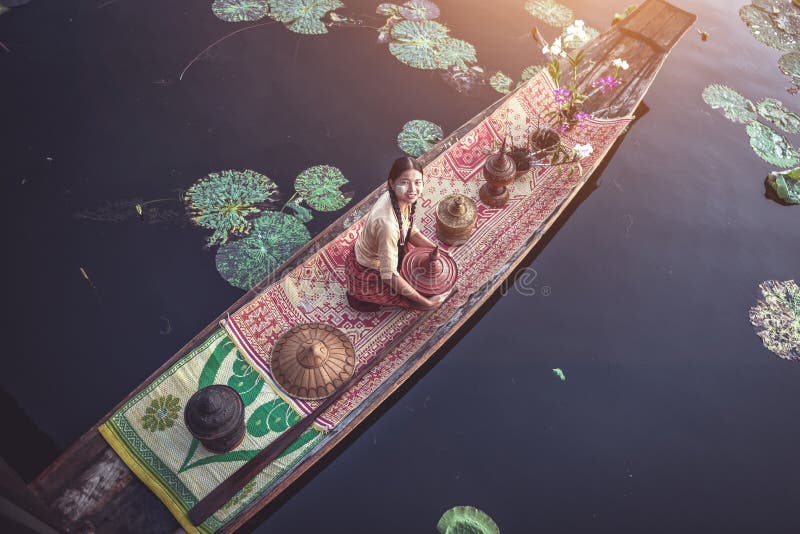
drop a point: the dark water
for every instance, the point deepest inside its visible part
(673, 416)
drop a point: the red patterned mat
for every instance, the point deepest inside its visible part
(315, 291)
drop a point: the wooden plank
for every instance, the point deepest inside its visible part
(89, 483)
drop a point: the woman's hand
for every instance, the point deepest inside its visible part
(437, 300)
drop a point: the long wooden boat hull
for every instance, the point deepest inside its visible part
(89, 486)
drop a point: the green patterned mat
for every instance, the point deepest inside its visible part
(150, 436)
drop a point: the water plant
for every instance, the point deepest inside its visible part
(735, 107)
(126, 209)
(789, 64)
(500, 82)
(776, 318)
(775, 23)
(416, 43)
(550, 12)
(466, 520)
(224, 201)
(274, 238)
(770, 146)
(319, 187)
(419, 10)
(418, 136)
(786, 185)
(240, 10)
(774, 111)
(303, 16)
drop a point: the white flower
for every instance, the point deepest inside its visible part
(578, 23)
(583, 150)
(545, 50)
(620, 64)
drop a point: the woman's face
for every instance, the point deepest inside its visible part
(408, 186)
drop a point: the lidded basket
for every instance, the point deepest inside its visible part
(430, 271)
(215, 416)
(455, 219)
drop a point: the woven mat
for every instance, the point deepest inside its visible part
(150, 436)
(315, 290)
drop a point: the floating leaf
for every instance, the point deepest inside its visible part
(735, 107)
(319, 186)
(786, 184)
(301, 212)
(466, 520)
(774, 111)
(778, 317)
(416, 43)
(240, 10)
(790, 65)
(551, 12)
(274, 238)
(770, 146)
(765, 29)
(560, 374)
(771, 6)
(303, 16)
(223, 201)
(500, 82)
(455, 53)
(419, 136)
(528, 73)
(389, 10)
(419, 10)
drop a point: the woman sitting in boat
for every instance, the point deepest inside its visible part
(373, 278)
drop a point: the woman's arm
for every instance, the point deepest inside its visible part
(418, 239)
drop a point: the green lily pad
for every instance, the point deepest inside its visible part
(390, 10)
(240, 10)
(417, 43)
(274, 238)
(455, 53)
(303, 16)
(774, 111)
(769, 146)
(319, 187)
(466, 520)
(301, 212)
(766, 30)
(224, 201)
(500, 83)
(771, 6)
(777, 318)
(735, 107)
(419, 136)
(789, 64)
(786, 184)
(419, 10)
(550, 12)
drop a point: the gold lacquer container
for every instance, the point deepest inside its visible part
(455, 219)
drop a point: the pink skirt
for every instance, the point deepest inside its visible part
(367, 291)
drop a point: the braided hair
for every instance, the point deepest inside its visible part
(399, 166)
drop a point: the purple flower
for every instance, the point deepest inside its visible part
(606, 83)
(581, 118)
(562, 95)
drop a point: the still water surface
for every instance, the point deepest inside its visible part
(672, 418)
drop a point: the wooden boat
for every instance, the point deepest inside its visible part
(90, 489)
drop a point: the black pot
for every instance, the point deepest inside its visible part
(522, 160)
(544, 139)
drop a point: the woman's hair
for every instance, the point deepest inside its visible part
(399, 166)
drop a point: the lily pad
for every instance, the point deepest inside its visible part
(389, 10)
(466, 520)
(789, 64)
(735, 107)
(455, 53)
(223, 202)
(419, 10)
(274, 238)
(786, 184)
(417, 43)
(777, 318)
(301, 212)
(774, 111)
(771, 6)
(769, 146)
(766, 30)
(550, 12)
(319, 187)
(240, 10)
(500, 82)
(528, 73)
(303, 16)
(419, 136)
